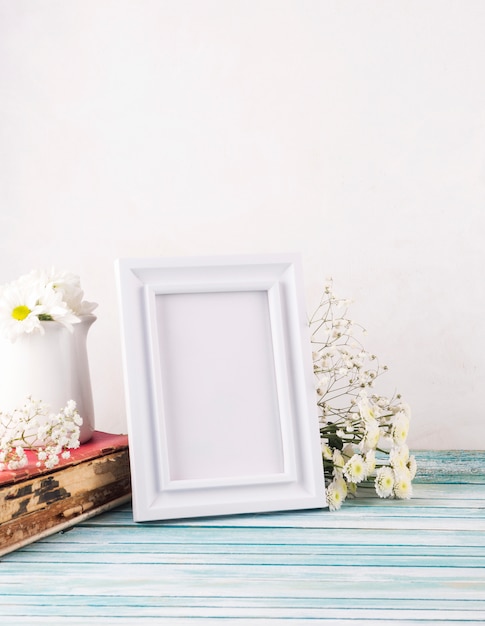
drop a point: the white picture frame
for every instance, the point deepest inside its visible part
(221, 407)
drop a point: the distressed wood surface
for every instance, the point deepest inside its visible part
(373, 562)
(69, 485)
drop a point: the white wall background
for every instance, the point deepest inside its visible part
(353, 132)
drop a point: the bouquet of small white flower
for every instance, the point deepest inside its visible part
(19, 430)
(363, 434)
(41, 296)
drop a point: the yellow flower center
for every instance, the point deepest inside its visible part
(20, 312)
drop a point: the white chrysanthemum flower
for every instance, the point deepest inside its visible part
(352, 489)
(67, 285)
(338, 463)
(41, 296)
(403, 488)
(400, 428)
(53, 308)
(336, 493)
(326, 451)
(372, 435)
(384, 482)
(399, 457)
(367, 409)
(19, 310)
(412, 467)
(370, 461)
(355, 470)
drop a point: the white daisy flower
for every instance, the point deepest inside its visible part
(371, 436)
(399, 457)
(355, 470)
(384, 482)
(41, 296)
(412, 466)
(326, 451)
(370, 461)
(403, 488)
(69, 286)
(400, 427)
(367, 409)
(336, 493)
(338, 463)
(19, 311)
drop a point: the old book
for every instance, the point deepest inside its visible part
(36, 502)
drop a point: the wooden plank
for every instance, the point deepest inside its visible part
(286, 615)
(341, 617)
(160, 538)
(279, 557)
(450, 466)
(206, 581)
(77, 604)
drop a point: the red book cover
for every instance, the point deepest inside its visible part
(100, 444)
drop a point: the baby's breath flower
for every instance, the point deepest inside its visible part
(33, 423)
(322, 385)
(52, 461)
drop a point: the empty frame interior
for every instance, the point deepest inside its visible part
(219, 383)
(221, 408)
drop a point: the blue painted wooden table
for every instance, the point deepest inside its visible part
(375, 561)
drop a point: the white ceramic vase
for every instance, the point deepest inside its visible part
(52, 367)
